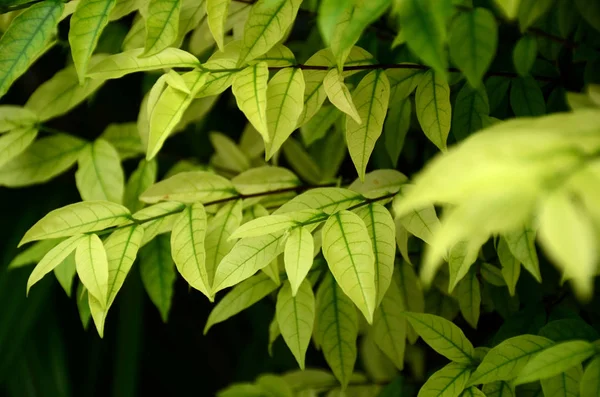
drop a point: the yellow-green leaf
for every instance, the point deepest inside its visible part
(460, 259)
(218, 232)
(98, 313)
(378, 183)
(53, 258)
(263, 225)
(99, 175)
(87, 23)
(339, 95)
(327, 199)
(65, 273)
(140, 180)
(83, 217)
(26, 38)
(389, 326)
(158, 274)
(124, 7)
(285, 101)
(12, 117)
(511, 267)
(295, 316)
(158, 218)
(433, 108)
(420, 223)
(298, 256)
(509, 7)
(187, 247)
(349, 254)
(499, 389)
(265, 179)
(302, 162)
(227, 154)
(449, 381)
(241, 297)
(250, 91)
(468, 294)
(590, 381)
(125, 138)
(267, 23)
(531, 10)
(217, 11)
(121, 249)
(336, 328)
(34, 253)
(92, 267)
(162, 25)
(563, 384)
(190, 187)
(15, 143)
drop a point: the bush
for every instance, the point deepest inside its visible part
(474, 276)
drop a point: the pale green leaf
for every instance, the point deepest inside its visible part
(263, 225)
(403, 81)
(524, 54)
(460, 259)
(26, 39)
(251, 142)
(442, 336)
(567, 235)
(468, 294)
(285, 95)
(169, 110)
(140, 180)
(118, 65)
(190, 187)
(83, 306)
(218, 232)
(371, 98)
(318, 126)
(295, 316)
(125, 138)
(420, 223)
(136, 36)
(188, 250)
(99, 175)
(228, 152)
(250, 91)
(158, 274)
(511, 267)
(327, 199)
(162, 25)
(506, 360)
(98, 313)
(379, 183)
(526, 97)
(555, 359)
(12, 117)
(565, 384)
(92, 267)
(402, 240)
(509, 7)
(82, 217)
(531, 10)
(34, 253)
(298, 256)
(158, 218)
(217, 11)
(521, 244)
(53, 258)
(339, 95)
(423, 24)
(65, 273)
(336, 327)
(124, 7)
(265, 179)
(191, 15)
(473, 42)
(492, 274)
(433, 108)
(449, 381)
(411, 293)
(470, 109)
(175, 80)
(87, 23)
(301, 161)
(267, 24)
(221, 79)
(499, 389)
(246, 257)
(241, 297)
(590, 381)
(349, 254)
(389, 325)
(15, 142)
(395, 128)
(121, 250)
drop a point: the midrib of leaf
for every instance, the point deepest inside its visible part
(384, 316)
(375, 250)
(264, 29)
(191, 231)
(443, 337)
(107, 4)
(92, 262)
(465, 369)
(99, 178)
(198, 9)
(285, 97)
(435, 104)
(57, 156)
(474, 56)
(160, 259)
(162, 29)
(254, 81)
(369, 117)
(221, 232)
(118, 270)
(337, 328)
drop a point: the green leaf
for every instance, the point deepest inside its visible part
(590, 11)
(371, 98)
(449, 381)
(403, 81)
(25, 40)
(158, 273)
(460, 259)
(421, 223)
(65, 273)
(423, 24)
(382, 233)
(472, 392)
(590, 381)
(524, 55)
(82, 305)
(247, 256)
(264, 225)
(99, 175)
(298, 256)
(564, 384)
(87, 23)
(227, 153)
(567, 234)
(395, 128)
(318, 126)
(327, 199)
(473, 42)
(190, 187)
(526, 97)
(43, 160)
(250, 91)
(505, 361)
(569, 329)
(285, 101)
(470, 109)
(162, 25)
(555, 359)
(34, 253)
(531, 10)
(158, 218)
(521, 244)
(389, 325)
(124, 7)
(140, 180)
(442, 336)
(496, 88)
(468, 294)
(349, 254)
(217, 11)
(267, 24)
(499, 389)
(378, 183)
(509, 7)
(63, 92)
(118, 65)
(15, 142)
(169, 110)
(295, 316)
(83, 217)
(241, 297)
(433, 108)
(191, 15)
(98, 313)
(302, 162)
(511, 267)
(12, 117)
(125, 138)
(53, 258)
(328, 17)
(187, 247)
(339, 95)
(336, 327)
(218, 232)
(92, 267)
(413, 299)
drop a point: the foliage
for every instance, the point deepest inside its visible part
(487, 254)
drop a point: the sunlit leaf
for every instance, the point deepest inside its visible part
(125, 138)
(218, 232)
(99, 175)
(326, 199)
(158, 218)
(298, 256)
(190, 187)
(563, 384)
(449, 381)
(162, 25)
(65, 273)
(509, 7)
(389, 326)
(92, 267)
(468, 294)
(265, 179)
(339, 95)
(226, 151)
(590, 381)
(140, 180)
(460, 259)
(250, 91)
(217, 11)
(433, 108)
(158, 273)
(15, 142)
(12, 117)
